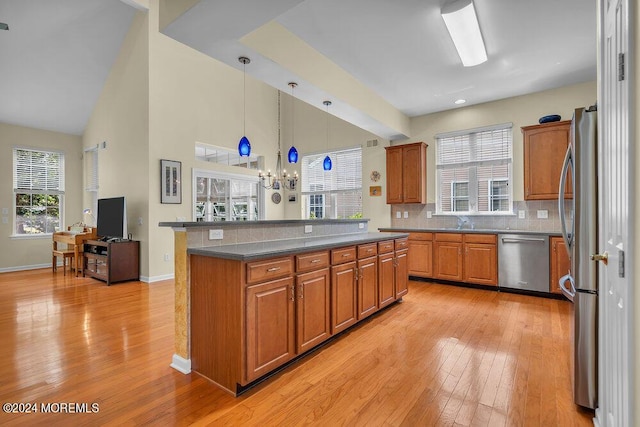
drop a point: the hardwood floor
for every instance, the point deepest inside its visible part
(444, 356)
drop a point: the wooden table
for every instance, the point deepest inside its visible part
(75, 240)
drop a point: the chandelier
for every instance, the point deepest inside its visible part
(280, 179)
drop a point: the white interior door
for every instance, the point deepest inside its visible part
(616, 208)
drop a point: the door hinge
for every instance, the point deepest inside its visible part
(621, 264)
(620, 67)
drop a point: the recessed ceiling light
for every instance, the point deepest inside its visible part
(460, 101)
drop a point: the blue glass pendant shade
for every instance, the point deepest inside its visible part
(244, 147)
(293, 155)
(326, 164)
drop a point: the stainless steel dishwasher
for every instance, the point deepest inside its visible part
(523, 262)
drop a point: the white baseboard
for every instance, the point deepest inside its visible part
(181, 364)
(26, 267)
(152, 279)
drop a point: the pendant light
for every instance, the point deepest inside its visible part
(244, 146)
(292, 156)
(326, 163)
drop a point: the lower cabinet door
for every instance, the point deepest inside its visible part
(401, 273)
(344, 297)
(481, 264)
(367, 286)
(386, 275)
(270, 326)
(312, 309)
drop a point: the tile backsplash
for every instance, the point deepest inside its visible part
(417, 217)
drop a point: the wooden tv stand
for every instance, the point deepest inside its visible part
(115, 261)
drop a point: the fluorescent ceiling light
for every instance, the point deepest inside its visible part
(462, 22)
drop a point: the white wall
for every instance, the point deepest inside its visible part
(20, 253)
(521, 111)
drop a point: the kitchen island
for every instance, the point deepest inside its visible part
(252, 307)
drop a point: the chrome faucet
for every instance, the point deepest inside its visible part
(462, 220)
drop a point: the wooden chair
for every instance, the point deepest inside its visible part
(64, 253)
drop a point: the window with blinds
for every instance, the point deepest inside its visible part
(474, 171)
(38, 186)
(336, 193)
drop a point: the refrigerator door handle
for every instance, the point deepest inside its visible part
(568, 163)
(569, 293)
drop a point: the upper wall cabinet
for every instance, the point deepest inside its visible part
(545, 146)
(407, 173)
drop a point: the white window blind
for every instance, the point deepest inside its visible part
(483, 159)
(341, 187)
(38, 171)
(91, 169)
(38, 186)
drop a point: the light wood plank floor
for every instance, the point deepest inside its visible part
(444, 356)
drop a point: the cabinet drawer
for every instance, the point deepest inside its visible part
(421, 236)
(312, 261)
(385, 247)
(401, 243)
(448, 237)
(365, 251)
(481, 238)
(342, 255)
(261, 271)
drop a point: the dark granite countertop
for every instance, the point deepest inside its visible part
(253, 251)
(467, 230)
(218, 224)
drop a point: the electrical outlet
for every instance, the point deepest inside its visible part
(181, 219)
(361, 225)
(308, 228)
(522, 214)
(216, 234)
(139, 220)
(166, 257)
(543, 214)
(406, 214)
(398, 214)
(5, 220)
(429, 214)
(5, 211)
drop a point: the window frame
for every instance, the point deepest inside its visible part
(493, 197)
(472, 162)
(331, 190)
(455, 198)
(59, 191)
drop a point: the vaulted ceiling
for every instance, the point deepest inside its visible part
(379, 61)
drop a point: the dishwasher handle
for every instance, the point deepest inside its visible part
(522, 240)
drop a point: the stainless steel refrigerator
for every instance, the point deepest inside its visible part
(579, 219)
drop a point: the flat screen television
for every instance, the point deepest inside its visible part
(112, 218)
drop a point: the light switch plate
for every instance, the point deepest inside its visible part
(5, 211)
(522, 214)
(5, 220)
(543, 214)
(398, 214)
(308, 228)
(406, 214)
(216, 234)
(429, 214)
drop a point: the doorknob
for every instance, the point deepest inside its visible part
(601, 257)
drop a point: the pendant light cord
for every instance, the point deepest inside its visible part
(244, 98)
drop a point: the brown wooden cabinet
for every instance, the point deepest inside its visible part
(313, 313)
(447, 256)
(250, 317)
(420, 256)
(401, 273)
(269, 344)
(481, 259)
(406, 173)
(344, 292)
(367, 280)
(545, 147)
(112, 261)
(559, 262)
(386, 290)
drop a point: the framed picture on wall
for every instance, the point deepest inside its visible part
(170, 181)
